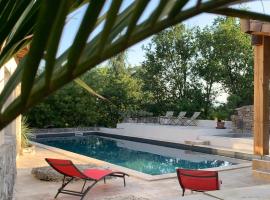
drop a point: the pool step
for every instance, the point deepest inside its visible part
(197, 142)
(78, 133)
(261, 169)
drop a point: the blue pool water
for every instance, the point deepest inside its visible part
(146, 158)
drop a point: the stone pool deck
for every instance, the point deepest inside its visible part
(237, 184)
(206, 135)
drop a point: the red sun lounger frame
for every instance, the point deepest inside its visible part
(70, 172)
(198, 180)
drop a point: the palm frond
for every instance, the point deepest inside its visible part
(85, 86)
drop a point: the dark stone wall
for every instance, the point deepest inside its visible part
(7, 168)
(242, 121)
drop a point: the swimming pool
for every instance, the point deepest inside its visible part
(143, 157)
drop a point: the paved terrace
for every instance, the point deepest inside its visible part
(236, 185)
(204, 132)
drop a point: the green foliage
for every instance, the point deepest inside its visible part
(166, 72)
(26, 133)
(224, 56)
(70, 106)
(235, 57)
(206, 69)
(219, 114)
(73, 106)
(185, 68)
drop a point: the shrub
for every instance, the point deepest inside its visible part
(26, 132)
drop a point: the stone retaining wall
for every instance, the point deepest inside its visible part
(7, 168)
(154, 120)
(242, 121)
(59, 130)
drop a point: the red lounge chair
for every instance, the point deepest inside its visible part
(198, 180)
(70, 171)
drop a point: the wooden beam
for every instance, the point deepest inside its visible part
(261, 88)
(255, 27)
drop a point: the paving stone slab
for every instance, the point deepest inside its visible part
(197, 197)
(261, 192)
(125, 197)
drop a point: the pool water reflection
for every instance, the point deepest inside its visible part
(146, 158)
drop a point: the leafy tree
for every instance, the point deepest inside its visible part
(73, 106)
(116, 83)
(235, 57)
(206, 68)
(166, 72)
(184, 67)
(224, 56)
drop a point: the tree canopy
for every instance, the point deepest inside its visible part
(73, 106)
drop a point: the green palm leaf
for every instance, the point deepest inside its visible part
(85, 86)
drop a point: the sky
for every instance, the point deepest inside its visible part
(135, 53)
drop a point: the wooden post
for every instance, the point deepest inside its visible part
(261, 88)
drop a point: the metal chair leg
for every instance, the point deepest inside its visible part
(183, 192)
(87, 190)
(64, 184)
(83, 186)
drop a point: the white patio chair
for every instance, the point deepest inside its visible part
(167, 118)
(179, 119)
(191, 121)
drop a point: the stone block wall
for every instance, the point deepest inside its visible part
(242, 121)
(8, 137)
(7, 168)
(60, 130)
